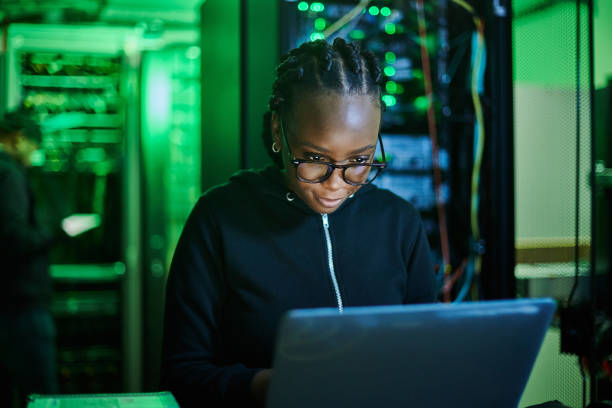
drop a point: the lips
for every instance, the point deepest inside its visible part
(330, 202)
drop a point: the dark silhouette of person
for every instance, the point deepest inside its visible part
(27, 331)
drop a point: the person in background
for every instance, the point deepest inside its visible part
(27, 350)
(308, 231)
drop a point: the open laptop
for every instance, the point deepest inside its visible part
(469, 355)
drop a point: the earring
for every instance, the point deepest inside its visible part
(275, 148)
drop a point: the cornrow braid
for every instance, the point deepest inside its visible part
(318, 66)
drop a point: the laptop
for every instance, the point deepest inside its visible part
(472, 354)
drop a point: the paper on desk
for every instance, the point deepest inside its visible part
(77, 224)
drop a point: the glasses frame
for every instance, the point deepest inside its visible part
(331, 166)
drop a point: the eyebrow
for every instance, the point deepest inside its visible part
(321, 149)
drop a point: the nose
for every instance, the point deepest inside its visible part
(335, 180)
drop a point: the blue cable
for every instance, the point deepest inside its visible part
(469, 275)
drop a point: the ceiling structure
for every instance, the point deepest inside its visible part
(113, 12)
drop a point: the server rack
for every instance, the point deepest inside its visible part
(74, 93)
(171, 159)
(89, 86)
(440, 75)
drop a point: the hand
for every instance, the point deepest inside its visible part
(259, 385)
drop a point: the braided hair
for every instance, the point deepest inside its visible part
(319, 66)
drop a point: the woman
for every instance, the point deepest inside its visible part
(309, 231)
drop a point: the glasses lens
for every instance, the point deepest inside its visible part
(312, 171)
(361, 174)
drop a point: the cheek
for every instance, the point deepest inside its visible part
(306, 190)
(353, 189)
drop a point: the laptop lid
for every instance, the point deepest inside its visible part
(472, 354)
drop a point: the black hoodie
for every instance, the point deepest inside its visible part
(251, 250)
(24, 243)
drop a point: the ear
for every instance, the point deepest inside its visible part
(275, 128)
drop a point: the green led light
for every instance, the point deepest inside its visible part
(389, 100)
(302, 6)
(317, 7)
(389, 71)
(320, 24)
(385, 11)
(421, 103)
(388, 156)
(390, 28)
(390, 57)
(193, 52)
(357, 35)
(391, 87)
(37, 158)
(316, 36)
(374, 10)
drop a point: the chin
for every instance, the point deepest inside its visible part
(324, 209)
(320, 205)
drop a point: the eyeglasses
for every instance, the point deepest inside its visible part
(356, 174)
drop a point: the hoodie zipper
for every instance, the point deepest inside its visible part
(330, 262)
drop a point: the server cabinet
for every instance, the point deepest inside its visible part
(444, 140)
(97, 93)
(74, 91)
(171, 157)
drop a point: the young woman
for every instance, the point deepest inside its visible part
(309, 231)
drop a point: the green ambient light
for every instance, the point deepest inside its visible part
(316, 36)
(390, 57)
(374, 10)
(389, 100)
(357, 35)
(320, 24)
(421, 103)
(302, 6)
(390, 28)
(389, 71)
(317, 7)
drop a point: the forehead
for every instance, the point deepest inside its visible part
(331, 118)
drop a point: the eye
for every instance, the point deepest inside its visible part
(314, 157)
(360, 160)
